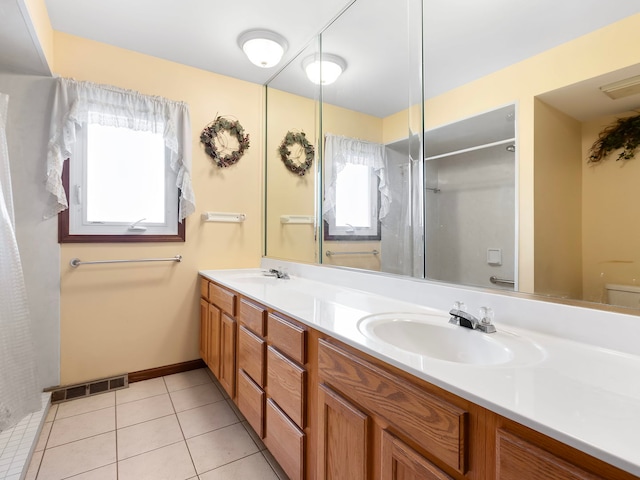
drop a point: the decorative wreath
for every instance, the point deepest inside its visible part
(623, 134)
(211, 135)
(296, 167)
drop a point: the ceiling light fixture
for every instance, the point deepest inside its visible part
(324, 69)
(622, 88)
(264, 48)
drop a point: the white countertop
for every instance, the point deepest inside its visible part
(580, 394)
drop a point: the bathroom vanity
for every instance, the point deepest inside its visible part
(330, 400)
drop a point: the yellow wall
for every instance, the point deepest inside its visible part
(605, 50)
(288, 193)
(611, 230)
(117, 319)
(558, 203)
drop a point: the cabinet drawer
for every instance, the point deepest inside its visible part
(286, 385)
(285, 441)
(223, 298)
(433, 423)
(290, 339)
(251, 350)
(251, 402)
(252, 316)
(204, 288)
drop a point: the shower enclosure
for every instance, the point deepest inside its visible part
(470, 206)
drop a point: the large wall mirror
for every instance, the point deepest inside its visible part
(483, 119)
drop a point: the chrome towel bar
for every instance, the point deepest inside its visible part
(76, 262)
(329, 253)
(495, 280)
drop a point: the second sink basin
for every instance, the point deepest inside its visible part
(431, 336)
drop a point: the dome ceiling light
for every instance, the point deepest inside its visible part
(324, 69)
(264, 48)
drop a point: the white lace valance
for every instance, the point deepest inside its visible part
(76, 103)
(340, 151)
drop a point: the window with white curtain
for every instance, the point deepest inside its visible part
(128, 165)
(356, 196)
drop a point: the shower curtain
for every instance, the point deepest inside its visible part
(19, 392)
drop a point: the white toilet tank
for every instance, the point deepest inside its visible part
(623, 295)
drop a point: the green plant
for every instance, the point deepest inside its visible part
(623, 134)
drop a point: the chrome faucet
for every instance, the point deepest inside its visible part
(274, 272)
(465, 319)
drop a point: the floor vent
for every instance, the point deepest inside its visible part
(90, 388)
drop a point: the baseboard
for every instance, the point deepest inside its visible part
(166, 370)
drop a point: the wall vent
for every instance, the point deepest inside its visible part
(90, 388)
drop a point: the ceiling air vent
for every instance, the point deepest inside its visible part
(622, 88)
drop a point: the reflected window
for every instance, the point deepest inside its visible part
(357, 203)
(356, 196)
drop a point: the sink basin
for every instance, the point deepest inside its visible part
(431, 336)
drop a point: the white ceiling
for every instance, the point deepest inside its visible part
(464, 39)
(20, 51)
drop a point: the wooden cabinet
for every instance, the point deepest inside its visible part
(251, 355)
(285, 441)
(218, 333)
(286, 382)
(215, 323)
(205, 327)
(252, 316)
(328, 411)
(521, 453)
(437, 426)
(252, 348)
(228, 354)
(401, 462)
(343, 451)
(286, 388)
(251, 402)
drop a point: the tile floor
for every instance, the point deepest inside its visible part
(16, 443)
(178, 427)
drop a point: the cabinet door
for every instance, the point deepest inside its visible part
(343, 441)
(214, 360)
(518, 459)
(228, 354)
(205, 326)
(401, 462)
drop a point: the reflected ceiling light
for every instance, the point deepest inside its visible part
(622, 88)
(264, 48)
(324, 69)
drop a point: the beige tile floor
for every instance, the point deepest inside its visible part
(178, 427)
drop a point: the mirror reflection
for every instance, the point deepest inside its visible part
(487, 169)
(290, 204)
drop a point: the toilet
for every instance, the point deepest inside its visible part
(623, 295)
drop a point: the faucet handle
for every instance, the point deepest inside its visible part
(486, 315)
(486, 320)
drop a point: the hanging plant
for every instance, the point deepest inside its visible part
(215, 142)
(295, 164)
(623, 134)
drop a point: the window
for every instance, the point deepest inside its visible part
(356, 195)
(357, 205)
(121, 184)
(127, 176)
